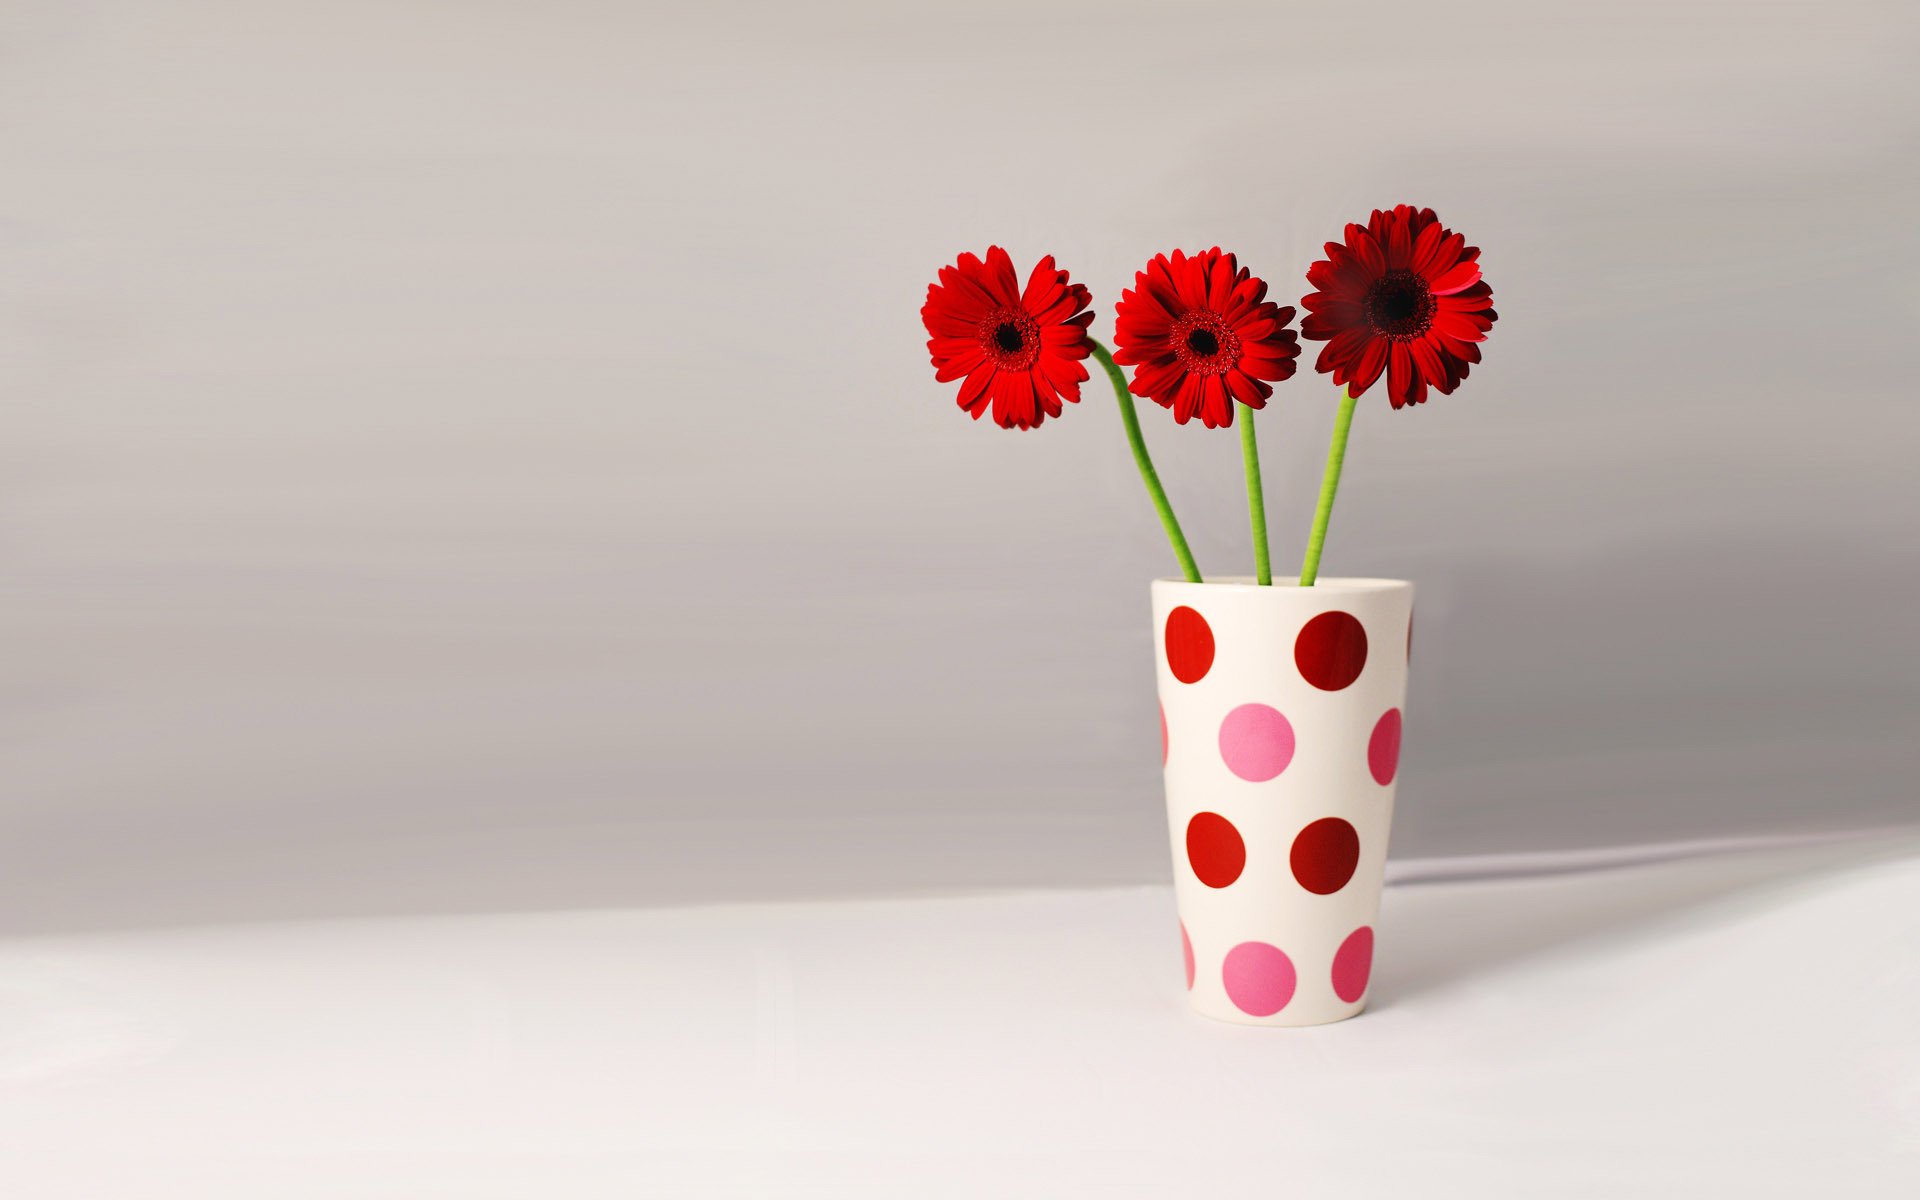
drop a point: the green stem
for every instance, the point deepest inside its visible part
(1329, 484)
(1256, 498)
(1148, 475)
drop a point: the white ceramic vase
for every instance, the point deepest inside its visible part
(1280, 711)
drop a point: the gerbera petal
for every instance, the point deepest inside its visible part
(1282, 345)
(1461, 277)
(947, 347)
(1399, 246)
(941, 323)
(1473, 299)
(1424, 246)
(1189, 282)
(1366, 369)
(1002, 284)
(1022, 409)
(1399, 374)
(1319, 327)
(949, 367)
(1216, 407)
(1044, 392)
(1275, 369)
(1333, 306)
(1048, 304)
(1058, 310)
(1366, 251)
(1146, 320)
(1064, 374)
(1351, 343)
(1446, 254)
(1345, 276)
(1041, 285)
(1148, 302)
(1459, 369)
(1042, 386)
(1246, 389)
(1146, 352)
(1249, 294)
(963, 294)
(976, 391)
(1426, 356)
(1157, 381)
(1454, 347)
(1160, 281)
(1222, 274)
(1186, 399)
(1458, 326)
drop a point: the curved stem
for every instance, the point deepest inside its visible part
(1329, 484)
(1256, 498)
(1142, 460)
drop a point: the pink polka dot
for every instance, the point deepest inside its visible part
(1186, 951)
(1163, 735)
(1256, 742)
(1259, 978)
(1352, 965)
(1383, 748)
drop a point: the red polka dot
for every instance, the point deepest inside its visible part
(1189, 645)
(1324, 855)
(1214, 849)
(1259, 978)
(1383, 748)
(1331, 650)
(1186, 952)
(1352, 965)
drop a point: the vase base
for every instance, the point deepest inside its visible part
(1283, 1019)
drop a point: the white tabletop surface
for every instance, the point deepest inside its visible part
(1734, 1025)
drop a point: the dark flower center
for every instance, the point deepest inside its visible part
(1204, 343)
(1399, 306)
(1010, 338)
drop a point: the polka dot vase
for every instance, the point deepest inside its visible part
(1280, 719)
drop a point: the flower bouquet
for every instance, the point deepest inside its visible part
(1280, 700)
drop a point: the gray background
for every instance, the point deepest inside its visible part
(484, 455)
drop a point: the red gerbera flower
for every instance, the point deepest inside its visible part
(1404, 295)
(1201, 334)
(1019, 350)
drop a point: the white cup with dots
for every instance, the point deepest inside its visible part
(1280, 711)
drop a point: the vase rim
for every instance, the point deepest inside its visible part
(1291, 583)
